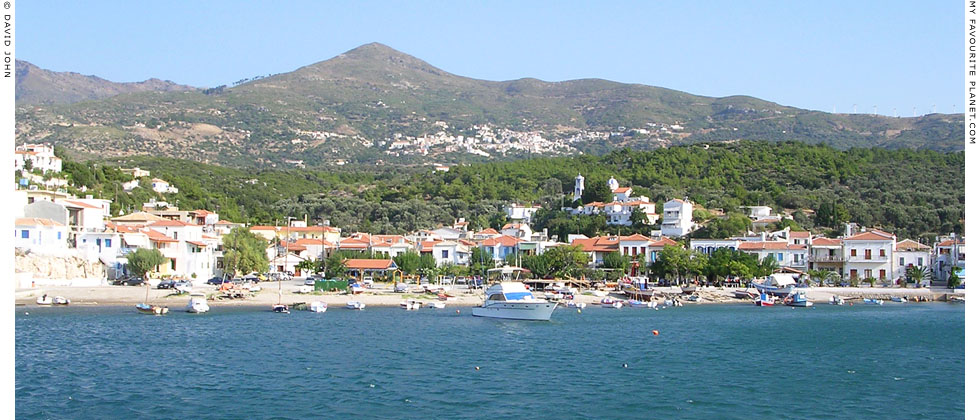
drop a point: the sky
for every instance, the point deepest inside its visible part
(895, 57)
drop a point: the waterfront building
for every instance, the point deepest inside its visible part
(677, 219)
(869, 255)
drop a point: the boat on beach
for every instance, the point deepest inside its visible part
(44, 300)
(836, 300)
(899, 299)
(436, 305)
(873, 301)
(778, 284)
(512, 300)
(689, 289)
(354, 304)
(641, 304)
(745, 294)
(410, 305)
(198, 304)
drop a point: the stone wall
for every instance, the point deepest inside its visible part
(57, 270)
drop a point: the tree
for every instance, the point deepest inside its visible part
(566, 261)
(142, 261)
(409, 262)
(672, 260)
(334, 267)
(615, 260)
(538, 265)
(309, 265)
(244, 252)
(596, 190)
(954, 280)
(767, 266)
(916, 274)
(480, 261)
(427, 265)
(819, 275)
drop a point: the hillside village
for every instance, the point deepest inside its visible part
(56, 224)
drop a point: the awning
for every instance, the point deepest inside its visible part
(136, 240)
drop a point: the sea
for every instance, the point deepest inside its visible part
(694, 362)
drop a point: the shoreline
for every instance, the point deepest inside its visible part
(386, 297)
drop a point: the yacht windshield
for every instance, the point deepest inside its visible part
(519, 295)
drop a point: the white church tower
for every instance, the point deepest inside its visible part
(579, 187)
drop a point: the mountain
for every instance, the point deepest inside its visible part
(374, 104)
(38, 86)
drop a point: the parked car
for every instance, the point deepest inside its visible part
(166, 284)
(309, 282)
(133, 281)
(183, 286)
(216, 281)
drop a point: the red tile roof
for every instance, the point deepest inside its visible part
(598, 244)
(768, 245)
(81, 204)
(635, 237)
(872, 235)
(35, 221)
(825, 242)
(199, 244)
(950, 242)
(488, 231)
(362, 264)
(158, 237)
(621, 190)
(505, 240)
(804, 234)
(910, 245)
(170, 223)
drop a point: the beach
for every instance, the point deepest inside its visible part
(384, 295)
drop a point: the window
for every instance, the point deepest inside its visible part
(867, 273)
(881, 252)
(854, 252)
(445, 253)
(59, 235)
(881, 274)
(901, 261)
(867, 254)
(919, 262)
(779, 256)
(173, 264)
(25, 234)
(854, 274)
(108, 243)
(98, 242)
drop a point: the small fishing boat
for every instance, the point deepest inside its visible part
(836, 300)
(578, 305)
(874, 301)
(198, 304)
(44, 300)
(899, 299)
(778, 284)
(147, 309)
(60, 300)
(436, 305)
(797, 299)
(673, 302)
(318, 306)
(410, 305)
(765, 299)
(280, 308)
(356, 289)
(641, 304)
(694, 298)
(608, 302)
(689, 289)
(745, 294)
(355, 305)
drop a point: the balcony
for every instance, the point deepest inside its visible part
(827, 259)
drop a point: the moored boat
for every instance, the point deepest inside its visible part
(198, 304)
(280, 308)
(874, 301)
(689, 289)
(318, 306)
(641, 304)
(436, 305)
(745, 294)
(148, 309)
(60, 300)
(609, 302)
(410, 305)
(44, 300)
(512, 300)
(899, 299)
(836, 300)
(797, 299)
(765, 299)
(777, 284)
(354, 304)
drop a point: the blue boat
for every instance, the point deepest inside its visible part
(874, 301)
(798, 299)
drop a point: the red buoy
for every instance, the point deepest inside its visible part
(655, 332)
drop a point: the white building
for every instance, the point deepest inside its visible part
(43, 236)
(709, 246)
(677, 219)
(41, 157)
(450, 253)
(785, 254)
(521, 213)
(909, 253)
(869, 255)
(579, 187)
(162, 186)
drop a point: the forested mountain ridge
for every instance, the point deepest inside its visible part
(374, 104)
(915, 194)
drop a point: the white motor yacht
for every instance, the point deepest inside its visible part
(198, 304)
(511, 300)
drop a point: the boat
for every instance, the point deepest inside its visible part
(198, 304)
(797, 299)
(836, 300)
(899, 299)
(694, 298)
(280, 308)
(641, 304)
(410, 305)
(44, 300)
(874, 301)
(608, 302)
(318, 306)
(145, 308)
(578, 305)
(745, 294)
(597, 293)
(355, 305)
(778, 284)
(765, 299)
(688, 289)
(356, 288)
(60, 300)
(436, 305)
(512, 300)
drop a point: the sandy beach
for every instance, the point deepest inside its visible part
(383, 295)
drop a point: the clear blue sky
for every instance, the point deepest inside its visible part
(814, 55)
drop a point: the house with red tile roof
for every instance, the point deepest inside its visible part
(500, 247)
(909, 253)
(786, 254)
(827, 254)
(868, 254)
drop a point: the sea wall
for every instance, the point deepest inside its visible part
(33, 270)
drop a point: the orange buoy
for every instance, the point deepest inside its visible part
(656, 332)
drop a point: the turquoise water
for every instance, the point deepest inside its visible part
(740, 362)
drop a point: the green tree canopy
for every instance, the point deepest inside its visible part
(244, 252)
(143, 261)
